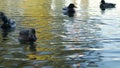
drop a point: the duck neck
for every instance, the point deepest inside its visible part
(102, 1)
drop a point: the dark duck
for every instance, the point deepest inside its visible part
(70, 11)
(27, 36)
(7, 23)
(105, 5)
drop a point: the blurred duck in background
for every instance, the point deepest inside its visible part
(70, 11)
(7, 23)
(104, 5)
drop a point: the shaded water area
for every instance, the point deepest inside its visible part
(91, 39)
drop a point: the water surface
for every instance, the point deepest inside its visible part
(88, 40)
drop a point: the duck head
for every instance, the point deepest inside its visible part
(2, 14)
(32, 35)
(3, 17)
(102, 1)
(71, 6)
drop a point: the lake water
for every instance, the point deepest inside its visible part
(91, 39)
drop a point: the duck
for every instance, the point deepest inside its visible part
(7, 23)
(27, 36)
(70, 11)
(105, 5)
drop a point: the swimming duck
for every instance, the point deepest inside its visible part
(27, 36)
(7, 23)
(70, 11)
(105, 5)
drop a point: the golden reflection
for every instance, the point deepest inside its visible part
(40, 56)
(37, 15)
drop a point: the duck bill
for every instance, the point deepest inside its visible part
(75, 6)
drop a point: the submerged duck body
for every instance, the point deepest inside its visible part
(105, 5)
(65, 11)
(70, 11)
(26, 36)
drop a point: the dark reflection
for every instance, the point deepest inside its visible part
(102, 11)
(32, 46)
(92, 58)
(5, 33)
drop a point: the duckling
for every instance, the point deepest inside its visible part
(27, 36)
(105, 5)
(70, 11)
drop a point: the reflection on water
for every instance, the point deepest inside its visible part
(89, 40)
